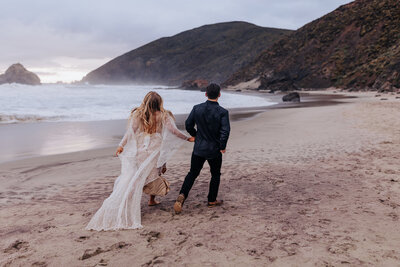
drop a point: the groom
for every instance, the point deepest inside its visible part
(212, 123)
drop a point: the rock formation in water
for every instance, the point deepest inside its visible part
(16, 73)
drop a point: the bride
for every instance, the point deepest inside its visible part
(151, 138)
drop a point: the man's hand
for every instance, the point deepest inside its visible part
(119, 151)
(191, 139)
(223, 151)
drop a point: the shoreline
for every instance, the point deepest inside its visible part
(309, 186)
(55, 138)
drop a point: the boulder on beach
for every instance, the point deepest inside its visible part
(17, 73)
(195, 84)
(291, 97)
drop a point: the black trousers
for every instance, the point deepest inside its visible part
(196, 165)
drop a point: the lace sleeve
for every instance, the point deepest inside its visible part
(172, 139)
(124, 139)
(171, 126)
(133, 125)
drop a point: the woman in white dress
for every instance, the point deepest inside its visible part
(151, 138)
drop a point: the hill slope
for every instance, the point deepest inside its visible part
(355, 46)
(211, 52)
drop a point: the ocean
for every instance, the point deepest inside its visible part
(53, 102)
(56, 119)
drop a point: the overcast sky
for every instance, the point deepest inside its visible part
(63, 40)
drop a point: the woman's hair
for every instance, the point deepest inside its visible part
(146, 113)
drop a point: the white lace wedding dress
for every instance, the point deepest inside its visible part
(143, 154)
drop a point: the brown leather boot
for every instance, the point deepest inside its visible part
(215, 203)
(179, 203)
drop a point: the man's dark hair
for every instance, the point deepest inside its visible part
(213, 91)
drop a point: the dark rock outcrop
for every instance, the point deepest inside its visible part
(357, 46)
(16, 73)
(291, 97)
(195, 84)
(212, 52)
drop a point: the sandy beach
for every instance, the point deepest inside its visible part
(305, 186)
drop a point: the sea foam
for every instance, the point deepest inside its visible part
(57, 102)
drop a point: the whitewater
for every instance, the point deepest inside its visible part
(59, 102)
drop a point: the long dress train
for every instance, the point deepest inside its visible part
(143, 154)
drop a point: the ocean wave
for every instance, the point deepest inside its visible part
(6, 119)
(23, 103)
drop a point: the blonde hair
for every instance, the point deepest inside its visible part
(146, 113)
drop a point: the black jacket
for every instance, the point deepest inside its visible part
(212, 123)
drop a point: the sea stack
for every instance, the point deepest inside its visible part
(17, 73)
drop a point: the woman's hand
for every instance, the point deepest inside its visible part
(119, 150)
(162, 169)
(191, 139)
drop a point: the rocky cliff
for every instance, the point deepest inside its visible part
(356, 46)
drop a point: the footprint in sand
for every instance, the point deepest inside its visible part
(154, 261)
(185, 237)
(252, 252)
(214, 215)
(394, 216)
(341, 248)
(39, 264)
(103, 262)
(93, 252)
(290, 249)
(325, 221)
(151, 236)
(82, 238)
(17, 245)
(45, 228)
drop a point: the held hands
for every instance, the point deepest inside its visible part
(223, 151)
(119, 151)
(191, 139)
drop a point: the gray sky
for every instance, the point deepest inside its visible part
(63, 40)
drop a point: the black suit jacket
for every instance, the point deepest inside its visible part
(213, 128)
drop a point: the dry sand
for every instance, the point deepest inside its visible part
(302, 187)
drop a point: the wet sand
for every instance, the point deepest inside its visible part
(306, 186)
(27, 140)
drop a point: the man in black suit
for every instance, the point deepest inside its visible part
(211, 137)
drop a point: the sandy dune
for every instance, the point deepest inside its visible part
(302, 187)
